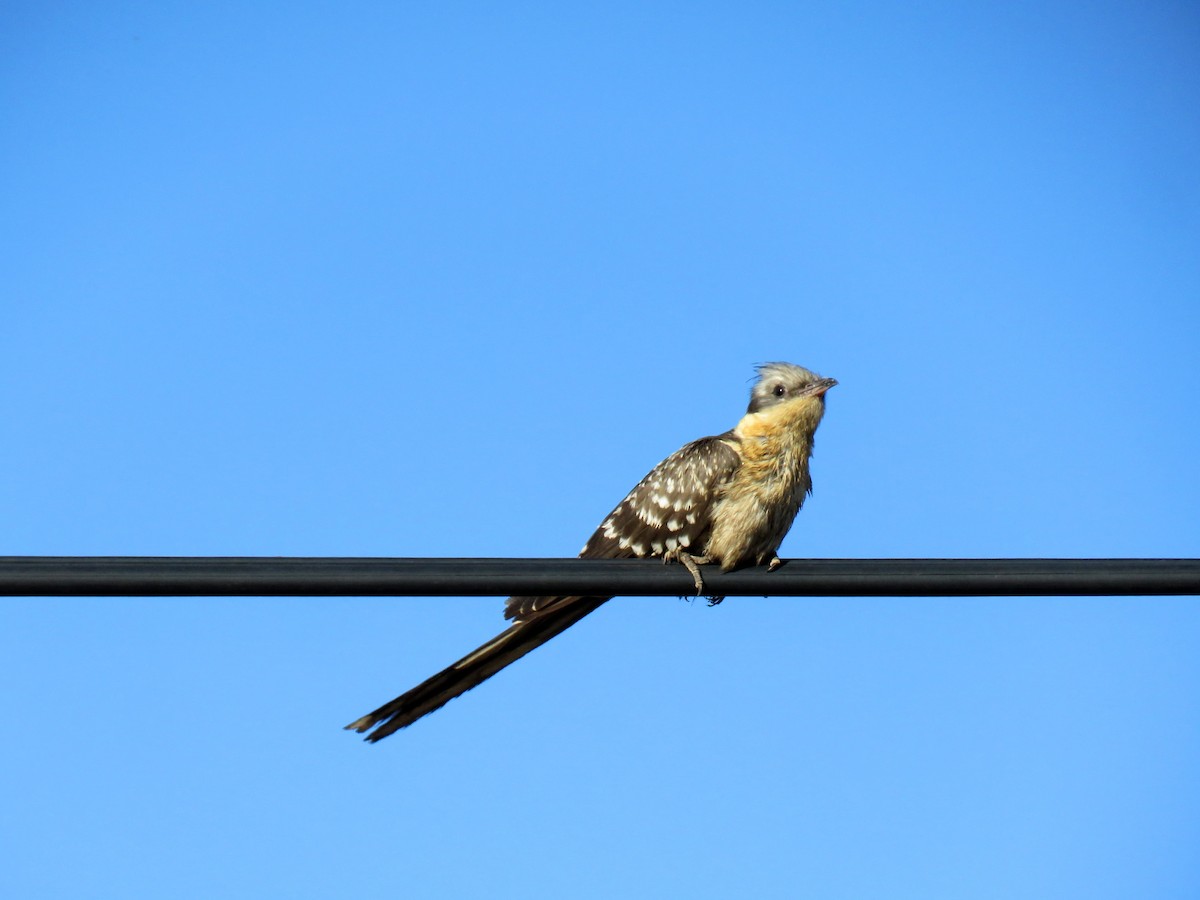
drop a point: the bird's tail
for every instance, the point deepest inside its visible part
(476, 667)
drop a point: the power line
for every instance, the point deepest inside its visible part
(344, 576)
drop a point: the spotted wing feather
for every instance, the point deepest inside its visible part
(670, 508)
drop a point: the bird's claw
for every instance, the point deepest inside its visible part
(689, 562)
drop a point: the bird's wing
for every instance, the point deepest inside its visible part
(670, 508)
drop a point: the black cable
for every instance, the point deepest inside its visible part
(337, 576)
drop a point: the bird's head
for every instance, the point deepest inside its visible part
(781, 384)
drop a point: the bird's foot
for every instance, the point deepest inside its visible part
(774, 564)
(689, 562)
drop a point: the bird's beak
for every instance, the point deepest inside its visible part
(819, 388)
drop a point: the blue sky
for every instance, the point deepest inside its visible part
(446, 280)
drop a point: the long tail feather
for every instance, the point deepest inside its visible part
(476, 667)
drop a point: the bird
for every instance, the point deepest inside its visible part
(728, 500)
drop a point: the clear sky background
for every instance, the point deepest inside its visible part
(446, 279)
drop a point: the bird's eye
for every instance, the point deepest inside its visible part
(779, 390)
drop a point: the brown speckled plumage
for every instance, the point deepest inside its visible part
(728, 499)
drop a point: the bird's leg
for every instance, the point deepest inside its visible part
(691, 563)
